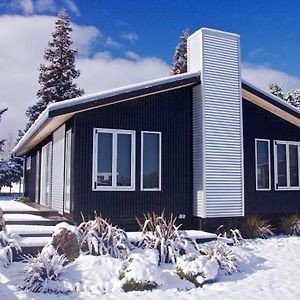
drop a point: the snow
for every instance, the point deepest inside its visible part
(271, 270)
(23, 217)
(12, 205)
(29, 229)
(33, 241)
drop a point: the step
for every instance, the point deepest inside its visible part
(30, 230)
(42, 213)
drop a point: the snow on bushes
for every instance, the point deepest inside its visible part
(198, 269)
(163, 235)
(42, 274)
(291, 224)
(6, 243)
(98, 237)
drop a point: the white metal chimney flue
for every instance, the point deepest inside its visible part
(217, 124)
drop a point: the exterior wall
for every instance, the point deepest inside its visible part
(169, 113)
(259, 123)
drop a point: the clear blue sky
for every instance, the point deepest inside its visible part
(269, 29)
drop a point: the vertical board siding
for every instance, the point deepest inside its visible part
(219, 62)
(169, 113)
(259, 123)
(58, 155)
(198, 196)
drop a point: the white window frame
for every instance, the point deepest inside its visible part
(288, 187)
(114, 186)
(142, 163)
(269, 162)
(28, 163)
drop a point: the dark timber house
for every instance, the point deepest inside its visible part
(204, 145)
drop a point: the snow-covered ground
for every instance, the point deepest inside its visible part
(271, 270)
(12, 205)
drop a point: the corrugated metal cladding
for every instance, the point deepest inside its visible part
(259, 123)
(222, 123)
(58, 156)
(170, 113)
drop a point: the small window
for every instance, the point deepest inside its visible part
(262, 161)
(114, 159)
(151, 161)
(28, 163)
(287, 167)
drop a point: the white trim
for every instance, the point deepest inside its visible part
(288, 187)
(46, 171)
(269, 162)
(142, 162)
(68, 164)
(28, 163)
(114, 186)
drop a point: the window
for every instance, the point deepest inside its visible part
(46, 164)
(151, 161)
(28, 163)
(114, 159)
(287, 167)
(262, 162)
(67, 186)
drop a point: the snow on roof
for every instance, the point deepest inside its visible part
(44, 116)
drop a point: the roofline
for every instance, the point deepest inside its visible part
(91, 101)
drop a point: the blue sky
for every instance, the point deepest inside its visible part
(123, 42)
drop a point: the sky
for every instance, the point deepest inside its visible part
(124, 42)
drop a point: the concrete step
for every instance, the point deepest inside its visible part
(30, 230)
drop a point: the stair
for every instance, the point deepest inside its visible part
(31, 225)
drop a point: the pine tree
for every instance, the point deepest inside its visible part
(293, 98)
(276, 90)
(180, 56)
(58, 72)
(2, 111)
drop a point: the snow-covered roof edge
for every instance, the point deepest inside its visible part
(44, 116)
(273, 97)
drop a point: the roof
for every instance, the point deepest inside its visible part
(58, 113)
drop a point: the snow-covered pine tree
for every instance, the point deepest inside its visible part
(276, 89)
(58, 72)
(293, 98)
(2, 141)
(180, 56)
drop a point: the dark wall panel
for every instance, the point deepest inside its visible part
(259, 123)
(168, 112)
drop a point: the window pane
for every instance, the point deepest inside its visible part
(262, 168)
(104, 166)
(281, 165)
(124, 160)
(150, 160)
(294, 169)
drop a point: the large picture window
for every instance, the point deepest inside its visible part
(113, 159)
(287, 167)
(262, 162)
(151, 161)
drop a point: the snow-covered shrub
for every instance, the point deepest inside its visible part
(256, 227)
(163, 235)
(65, 241)
(141, 272)
(291, 224)
(98, 237)
(233, 234)
(42, 274)
(197, 268)
(6, 243)
(222, 254)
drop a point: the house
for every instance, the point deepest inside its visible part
(205, 145)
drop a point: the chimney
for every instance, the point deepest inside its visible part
(217, 124)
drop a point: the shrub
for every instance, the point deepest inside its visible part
(233, 234)
(223, 255)
(66, 243)
(163, 235)
(24, 199)
(98, 237)
(197, 268)
(133, 285)
(42, 274)
(291, 224)
(256, 227)
(6, 243)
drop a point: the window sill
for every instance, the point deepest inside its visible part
(287, 189)
(129, 189)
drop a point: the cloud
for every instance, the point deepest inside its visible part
(25, 6)
(111, 43)
(72, 7)
(130, 36)
(21, 54)
(262, 76)
(132, 55)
